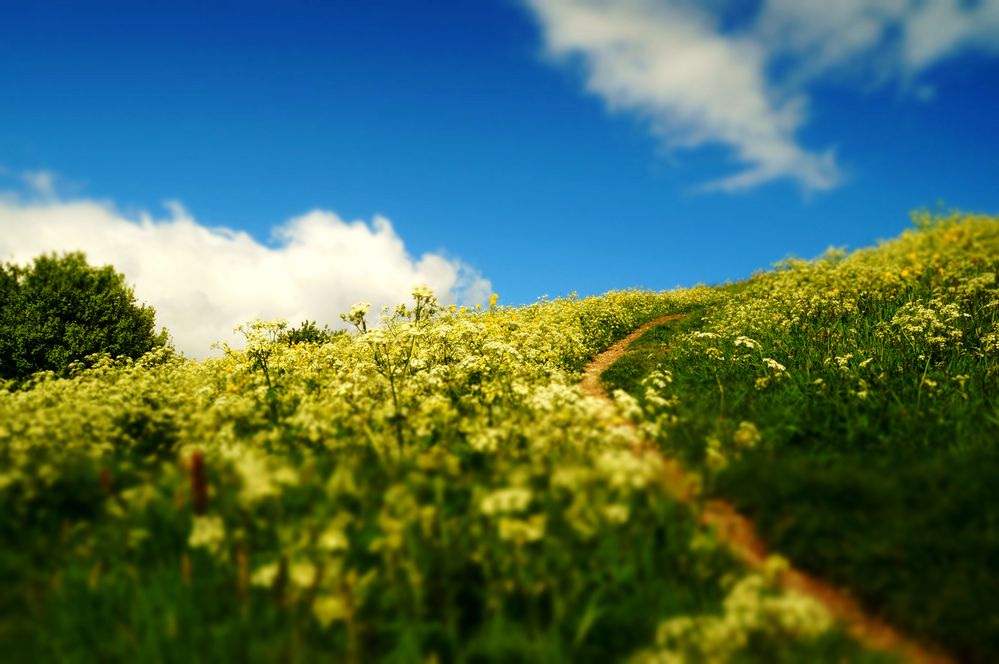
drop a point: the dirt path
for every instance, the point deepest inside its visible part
(740, 536)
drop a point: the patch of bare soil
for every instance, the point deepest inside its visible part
(737, 532)
(600, 364)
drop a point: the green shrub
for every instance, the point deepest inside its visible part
(308, 333)
(59, 310)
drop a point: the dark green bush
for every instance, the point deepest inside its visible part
(60, 310)
(308, 333)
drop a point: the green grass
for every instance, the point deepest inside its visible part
(916, 539)
(879, 446)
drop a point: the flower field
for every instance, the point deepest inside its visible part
(434, 486)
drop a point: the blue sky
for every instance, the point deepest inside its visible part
(546, 146)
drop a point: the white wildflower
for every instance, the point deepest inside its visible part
(506, 501)
(208, 533)
(774, 364)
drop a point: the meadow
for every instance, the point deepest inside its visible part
(434, 486)
(848, 405)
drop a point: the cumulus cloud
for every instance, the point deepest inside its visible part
(204, 281)
(699, 79)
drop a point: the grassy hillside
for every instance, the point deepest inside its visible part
(849, 406)
(437, 488)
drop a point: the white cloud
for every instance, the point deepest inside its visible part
(203, 281)
(41, 183)
(697, 82)
(669, 63)
(900, 38)
(943, 28)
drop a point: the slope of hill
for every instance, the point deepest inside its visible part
(438, 487)
(849, 406)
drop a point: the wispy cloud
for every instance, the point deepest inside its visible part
(889, 39)
(40, 183)
(943, 28)
(698, 80)
(203, 281)
(34, 184)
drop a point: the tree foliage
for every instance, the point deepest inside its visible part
(60, 310)
(309, 333)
